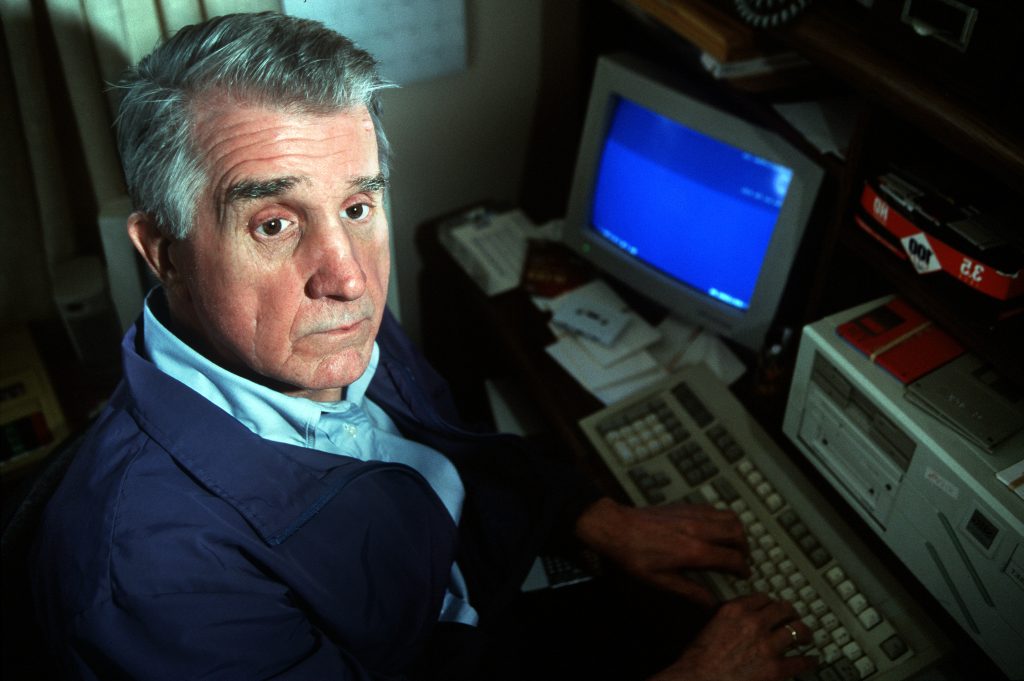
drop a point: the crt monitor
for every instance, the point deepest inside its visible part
(695, 208)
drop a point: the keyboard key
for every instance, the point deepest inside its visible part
(625, 453)
(798, 530)
(894, 647)
(852, 650)
(828, 674)
(681, 460)
(831, 653)
(869, 618)
(819, 557)
(846, 669)
(725, 490)
(822, 639)
(788, 518)
(857, 603)
(694, 477)
(733, 452)
(835, 575)
(865, 666)
(840, 636)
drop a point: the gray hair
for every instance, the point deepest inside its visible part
(266, 59)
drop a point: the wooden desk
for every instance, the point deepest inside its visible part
(469, 336)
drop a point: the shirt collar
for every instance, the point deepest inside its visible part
(264, 411)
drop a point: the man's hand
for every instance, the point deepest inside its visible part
(657, 543)
(746, 640)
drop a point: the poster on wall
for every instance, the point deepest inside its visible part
(414, 40)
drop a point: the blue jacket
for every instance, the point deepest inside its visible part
(180, 545)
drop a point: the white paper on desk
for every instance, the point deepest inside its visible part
(683, 344)
(596, 295)
(1013, 477)
(620, 391)
(569, 353)
(608, 384)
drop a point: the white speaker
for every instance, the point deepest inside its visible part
(80, 291)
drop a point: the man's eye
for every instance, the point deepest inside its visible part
(273, 226)
(358, 211)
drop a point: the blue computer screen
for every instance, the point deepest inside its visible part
(696, 209)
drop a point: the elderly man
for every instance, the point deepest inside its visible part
(279, 487)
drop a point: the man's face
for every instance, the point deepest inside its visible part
(285, 272)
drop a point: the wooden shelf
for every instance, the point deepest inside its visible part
(957, 309)
(719, 34)
(841, 42)
(920, 102)
(986, 136)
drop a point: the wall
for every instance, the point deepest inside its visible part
(463, 138)
(457, 140)
(24, 284)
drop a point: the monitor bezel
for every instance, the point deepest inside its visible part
(620, 76)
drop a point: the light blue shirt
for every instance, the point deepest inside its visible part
(353, 426)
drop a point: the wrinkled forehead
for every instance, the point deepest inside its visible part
(235, 143)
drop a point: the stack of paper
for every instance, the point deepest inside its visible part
(1013, 477)
(613, 371)
(640, 356)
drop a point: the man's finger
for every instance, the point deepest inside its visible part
(716, 557)
(728, 531)
(688, 589)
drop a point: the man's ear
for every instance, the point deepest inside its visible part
(154, 247)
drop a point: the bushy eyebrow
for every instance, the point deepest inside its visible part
(249, 190)
(370, 184)
(253, 190)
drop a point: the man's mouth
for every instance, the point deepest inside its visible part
(345, 328)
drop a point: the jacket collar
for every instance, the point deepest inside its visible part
(276, 487)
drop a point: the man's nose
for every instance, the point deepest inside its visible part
(337, 272)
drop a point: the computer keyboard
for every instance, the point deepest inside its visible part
(690, 439)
